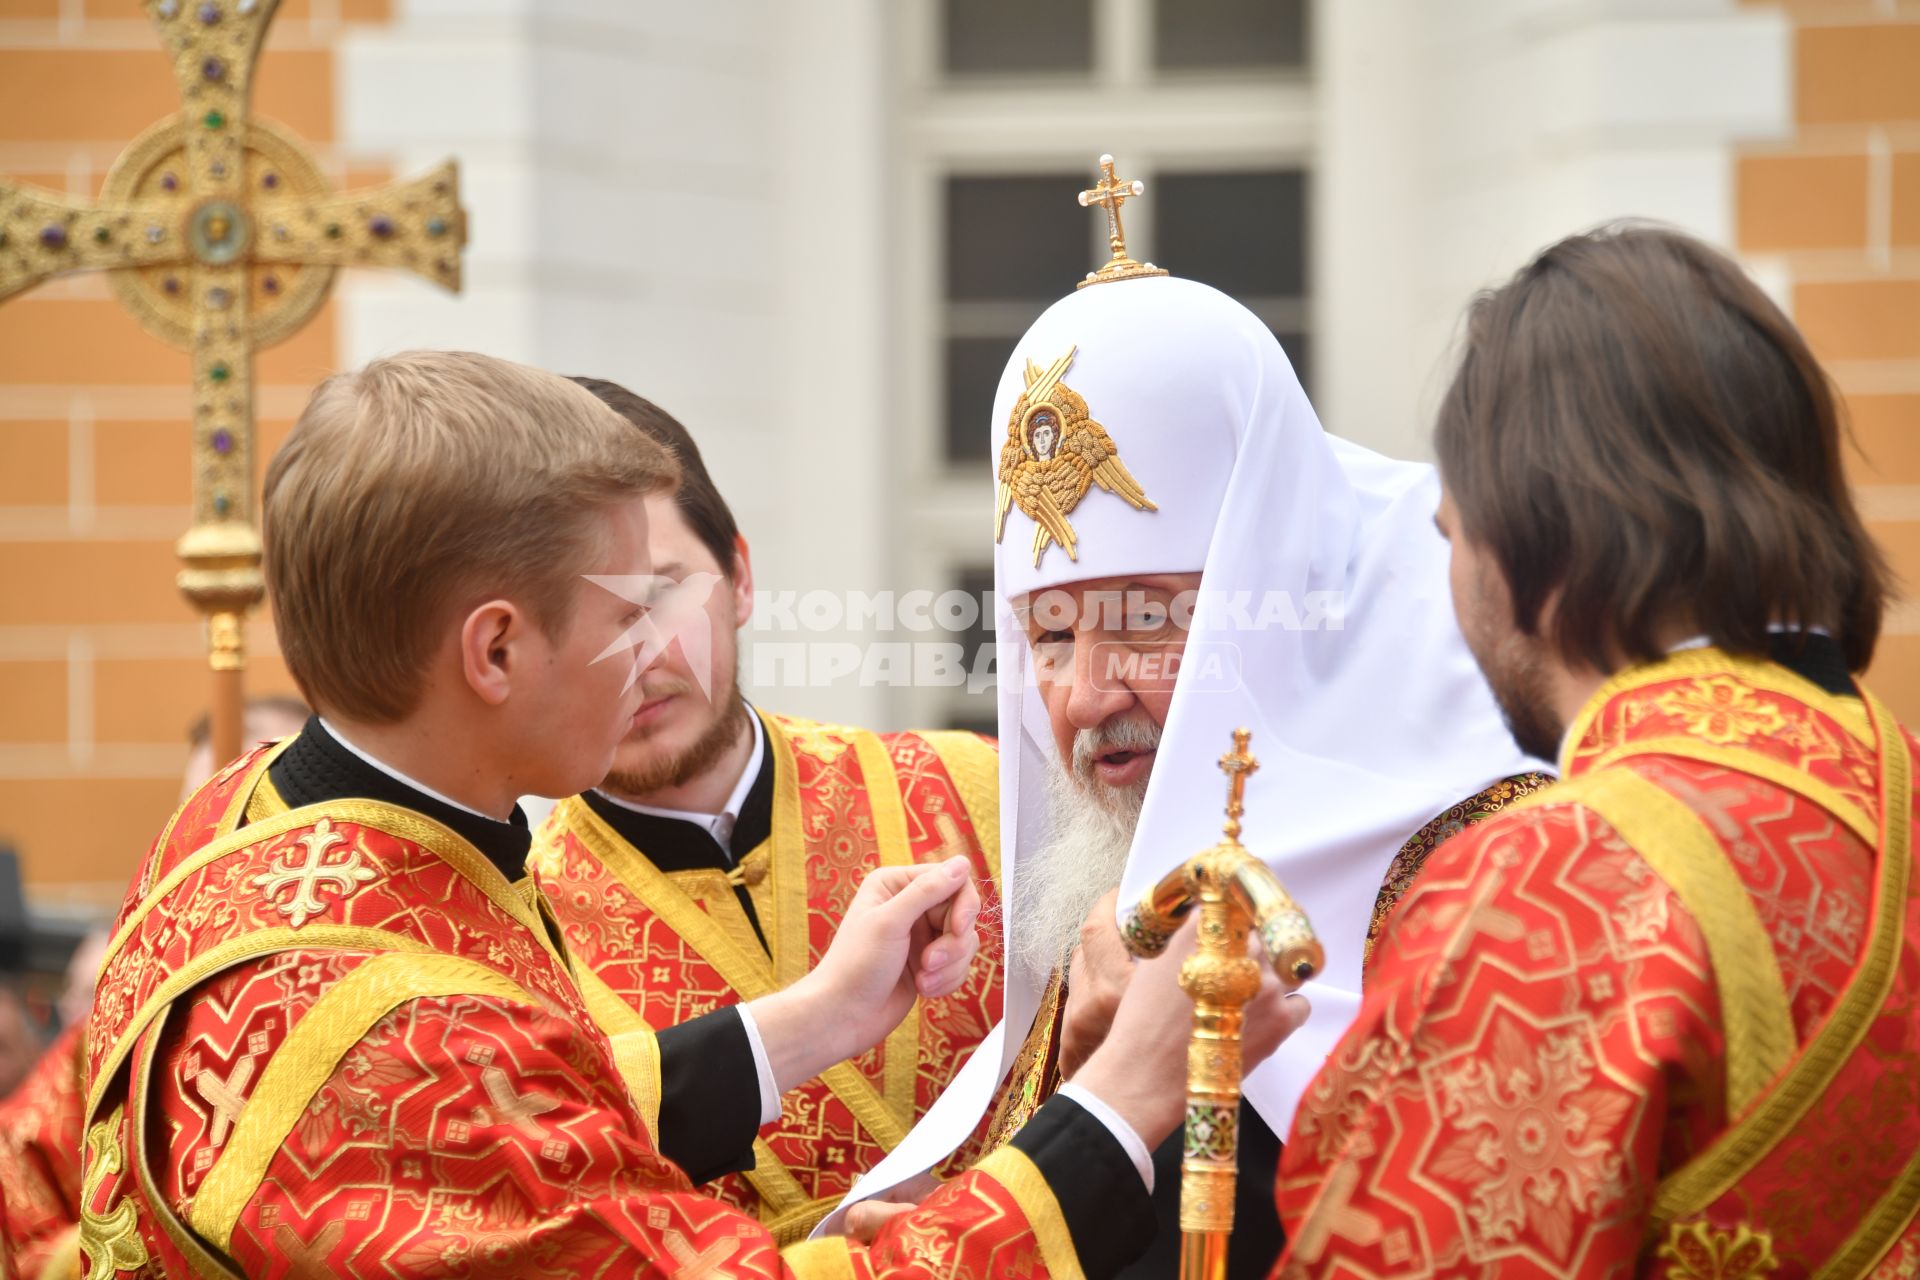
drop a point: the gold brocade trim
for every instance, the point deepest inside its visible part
(1010, 1167)
(787, 885)
(744, 971)
(781, 1195)
(636, 1050)
(713, 891)
(974, 768)
(1766, 676)
(1882, 1228)
(793, 1225)
(1708, 1176)
(243, 796)
(1700, 1251)
(200, 1259)
(900, 1063)
(249, 946)
(1031, 1080)
(1765, 768)
(266, 801)
(402, 824)
(110, 1239)
(310, 1055)
(1682, 851)
(830, 1258)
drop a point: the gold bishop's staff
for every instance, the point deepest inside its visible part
(217, 230)
(1234, 892)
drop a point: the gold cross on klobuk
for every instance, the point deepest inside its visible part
(1110, 193)
(218, 231)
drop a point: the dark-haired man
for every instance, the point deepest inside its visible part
(716, 861)
(1665, 1018)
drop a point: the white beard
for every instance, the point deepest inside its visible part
(1082, 857)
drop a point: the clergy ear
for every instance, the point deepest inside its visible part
(741, 579)
(488, 639)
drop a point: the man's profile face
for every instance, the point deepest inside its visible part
(691, 708)
(1106, 654)
(582, 690)
(1514, 663)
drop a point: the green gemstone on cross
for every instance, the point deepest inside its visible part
(436, 226)
(214, 120)
(220, 504)
(101, 235)
(220, 373)
(333, 231)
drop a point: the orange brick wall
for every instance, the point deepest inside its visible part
(1837, 208)
(100, 672)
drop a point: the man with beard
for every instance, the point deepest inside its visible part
(1663, 1019)
(715, 862)
(1195, 555)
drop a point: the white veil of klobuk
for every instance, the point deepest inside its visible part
(1323, 623)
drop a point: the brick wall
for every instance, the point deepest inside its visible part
(1835, 212)
(100, 667)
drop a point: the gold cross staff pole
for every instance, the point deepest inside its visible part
(216, 229)
(1235, 892)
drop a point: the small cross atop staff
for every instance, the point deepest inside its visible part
(1239, 765)
(216, 229)
(1110, 194)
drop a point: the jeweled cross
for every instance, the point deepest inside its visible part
(306, 879)
(1239, 765)
(1110, 193)
(218, 232)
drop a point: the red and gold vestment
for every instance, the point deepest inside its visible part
(40, 1163)
(1662, 1019)
(675, 944)
(337, 1041)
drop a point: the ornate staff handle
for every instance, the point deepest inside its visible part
(1235, 892)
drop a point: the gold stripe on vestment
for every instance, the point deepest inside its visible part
(1701, 1182)
(1010, 1167)
(1681, 849)
(312, 1053)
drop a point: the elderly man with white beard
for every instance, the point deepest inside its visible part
(1190, 554)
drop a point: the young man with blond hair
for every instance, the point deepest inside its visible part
(715, 861)
(333, 1036)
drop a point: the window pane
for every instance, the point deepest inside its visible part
(1228, 33)
(973, 371)
(1245, 233)
(1018, 35)
(1015, 237)
(976, 711)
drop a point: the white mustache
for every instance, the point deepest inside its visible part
(1134, 733)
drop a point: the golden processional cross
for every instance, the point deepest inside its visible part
(1234, 892)
(1110, 193)
(217, 230)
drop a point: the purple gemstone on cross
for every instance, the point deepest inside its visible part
(169, 183)
(271, 284)
(223, 441)
(54, 236)
(381, 225)
(270, 180)
(213, 69)
(209, 14)
(170, 284)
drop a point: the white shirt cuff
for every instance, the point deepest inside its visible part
(1123, 1133)
(770, 1092)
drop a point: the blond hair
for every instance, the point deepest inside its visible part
(425, 481)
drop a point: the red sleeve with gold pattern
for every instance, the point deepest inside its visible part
(40, 1126)
(469, 1133)
(1539, 1007)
